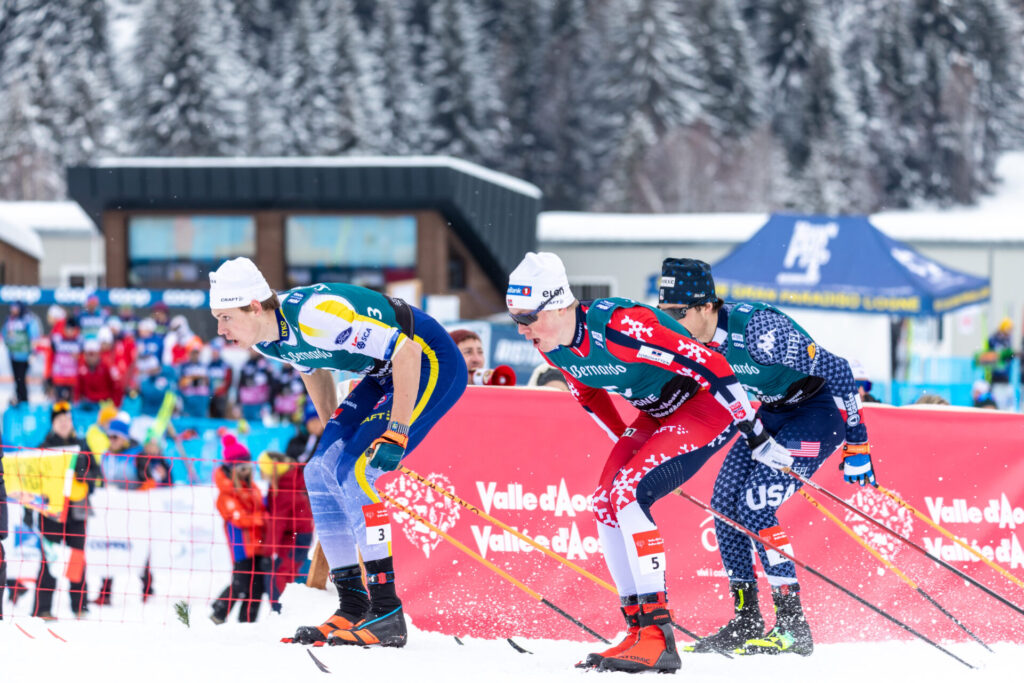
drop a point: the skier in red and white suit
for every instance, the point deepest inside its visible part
(690, 403)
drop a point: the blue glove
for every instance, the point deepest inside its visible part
(387, 450)
(856, 465)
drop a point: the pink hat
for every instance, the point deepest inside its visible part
(234, 452)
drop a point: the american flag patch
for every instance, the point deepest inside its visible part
(806, 449)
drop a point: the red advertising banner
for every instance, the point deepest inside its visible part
(530, 458)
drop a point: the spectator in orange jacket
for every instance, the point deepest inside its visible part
(240, 503)
(290, 520)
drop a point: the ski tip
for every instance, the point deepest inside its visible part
(458, 641)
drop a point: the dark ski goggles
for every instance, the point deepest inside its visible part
(530, 318)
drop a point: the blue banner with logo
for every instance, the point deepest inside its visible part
(74, 296)
(841, 263)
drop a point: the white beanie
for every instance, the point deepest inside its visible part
(539, 277)
(236, 283)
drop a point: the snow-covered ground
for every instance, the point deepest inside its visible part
(240, 652)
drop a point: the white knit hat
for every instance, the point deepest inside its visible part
(537, 278)
(236, 283)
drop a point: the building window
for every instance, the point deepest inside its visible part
(456, 271)
(369, 251)
(181, 250)
(588, 290)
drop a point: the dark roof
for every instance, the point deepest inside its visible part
(495, 215)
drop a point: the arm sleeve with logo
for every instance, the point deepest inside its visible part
(635, 335)
(598, 405)
(772, 339)
(329, 322)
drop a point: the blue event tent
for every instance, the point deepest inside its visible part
(841, 263)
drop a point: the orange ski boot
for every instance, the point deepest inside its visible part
(630, 610)
(655, 647)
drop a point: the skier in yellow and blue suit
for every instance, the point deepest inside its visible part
(412, 375)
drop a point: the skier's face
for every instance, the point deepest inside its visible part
(238, 325)
(552, 328)
(700, 320)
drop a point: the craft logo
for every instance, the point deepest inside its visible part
(807, 253)
(519, 290)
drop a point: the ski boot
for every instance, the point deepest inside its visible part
(353, 604)
(631, 611)
(655, 646)
(791, 632)
(384, 624)
(745, 624)
(105, 589)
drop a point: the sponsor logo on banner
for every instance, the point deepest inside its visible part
(566, 541)
(807, 253)
(435, 508)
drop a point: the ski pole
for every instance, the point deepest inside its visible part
(938, 560)
(547, 551)
(895, 570)
(494, 568)
(765, 542)
(994, 565)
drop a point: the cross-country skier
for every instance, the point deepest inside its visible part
(689, 402)
(412, 375)
(802, 388)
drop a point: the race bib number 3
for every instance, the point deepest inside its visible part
(777, 537)
(378, 524)
(650, 550)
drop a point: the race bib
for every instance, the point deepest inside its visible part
(378, 524)
(650, 550)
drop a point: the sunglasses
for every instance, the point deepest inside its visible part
(677, 313)
(530, 318)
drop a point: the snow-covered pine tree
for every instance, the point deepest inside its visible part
(61, 52)
(307, 89)
(357, 98)
(182, 102)
(405, 108)
(810, 105)
(466, 111)
(650, 82)
(518, 54)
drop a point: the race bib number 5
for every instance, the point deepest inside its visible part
(650, 550)
(378, 524)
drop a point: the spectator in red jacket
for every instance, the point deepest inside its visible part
(97, 380)
(290, 520)
(240, 503)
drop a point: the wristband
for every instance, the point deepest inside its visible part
(398, 428)
(755, 437)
